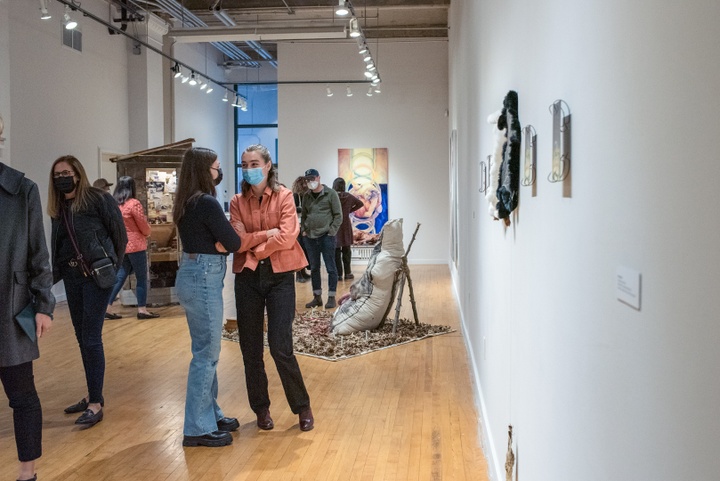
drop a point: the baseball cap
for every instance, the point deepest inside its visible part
(102, 183)
(312, 173)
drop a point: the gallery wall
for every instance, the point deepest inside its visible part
(595, 389)
(408, 118)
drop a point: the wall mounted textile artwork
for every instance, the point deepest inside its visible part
(502, 193)
(366, 174)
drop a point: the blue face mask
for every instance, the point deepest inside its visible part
(253, 176)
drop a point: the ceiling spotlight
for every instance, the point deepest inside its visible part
(203, 85)
(348, 92)
(176, 69)
(342, 9)
(236, 102)
(367, 57)
(185, 79)
(370, 66)
(44, 14)
(243, 105)
(363, 49)
(193, 81)
(328, 92)
(368, 74)
(68, 21)
(377, 89)
(210, 89)
(225, 98)
(354, 29)
(369, 92)
(375, 81)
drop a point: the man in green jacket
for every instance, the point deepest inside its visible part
(320, 220)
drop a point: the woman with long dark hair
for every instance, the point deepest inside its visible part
(135, 260)
(86, 227)
(299, 188)
(202, 226)
(264, 216)
(344, 237)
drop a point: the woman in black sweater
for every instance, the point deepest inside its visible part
(203, 230)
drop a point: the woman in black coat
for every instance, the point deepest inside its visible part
(344, 237)
(26, 277)
(87, 226)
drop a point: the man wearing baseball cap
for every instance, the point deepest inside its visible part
(320, 220)
(103, 184)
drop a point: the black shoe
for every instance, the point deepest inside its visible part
(330, 303)
(110, 315)
(89, 418)
(316, 302)
(304, 273)
(34, 478)
(77, 407)
(349, 276)
(211, 440)
(299, 278)
(227, 425)
(150, 315)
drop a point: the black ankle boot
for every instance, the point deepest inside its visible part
(316, 302)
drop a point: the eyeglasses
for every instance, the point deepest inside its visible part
(64, 173)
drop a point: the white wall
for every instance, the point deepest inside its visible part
(595, 390)
(408, 118)
(205, 117)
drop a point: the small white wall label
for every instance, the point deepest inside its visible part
(627, 288)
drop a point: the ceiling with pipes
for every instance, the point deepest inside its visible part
(248, 31)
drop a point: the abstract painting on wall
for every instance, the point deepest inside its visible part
(366, 175)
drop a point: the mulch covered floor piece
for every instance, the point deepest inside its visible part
(313, 338)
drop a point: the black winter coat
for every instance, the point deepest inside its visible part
(100, 230)
(24, 264)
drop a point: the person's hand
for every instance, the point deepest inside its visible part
(273, 232)
(43, 323)
(219, 247)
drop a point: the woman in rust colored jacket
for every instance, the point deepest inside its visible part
(135, 260)
(264, 217)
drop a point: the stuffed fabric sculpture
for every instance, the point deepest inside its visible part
(505, 162)
(372, 294)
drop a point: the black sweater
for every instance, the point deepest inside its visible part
(203, 224)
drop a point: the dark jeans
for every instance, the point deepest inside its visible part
(87, 304)
(19, 385)
(134, 262)
(255, 291)
(343, 256)
(325, 246)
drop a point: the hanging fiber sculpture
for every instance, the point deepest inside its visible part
(505, 162)
(510, 457)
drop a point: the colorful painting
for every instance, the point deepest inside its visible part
(366, 174)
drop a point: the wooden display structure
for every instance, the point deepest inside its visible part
(401, 275)
(163, 244)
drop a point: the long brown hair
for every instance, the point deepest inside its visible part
(85, 194)
(195, 179)
(272, 180)
(300, 186)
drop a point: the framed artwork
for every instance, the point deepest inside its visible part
(366, 176)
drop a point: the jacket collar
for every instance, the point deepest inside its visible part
(10, 179)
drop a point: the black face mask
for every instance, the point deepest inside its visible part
(219, 177)
(64, 184)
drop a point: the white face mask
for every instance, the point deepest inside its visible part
(313, 185)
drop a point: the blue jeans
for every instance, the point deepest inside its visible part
(325, 246)
(254, 292)
(199, 286)
(134, 262)
(87, 304)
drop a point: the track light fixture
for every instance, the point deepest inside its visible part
(363, 49)
(376, 80)
(68, 21)
(369, 92)
(348, 92)
(368, 74)
(44, 14)
(185, 79)
(176, 69)
(193, 81)
(328, 92)
(225, 98)
(354, 29)
(342, 9)
(209, 89)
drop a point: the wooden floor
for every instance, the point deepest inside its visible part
(404, 413)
